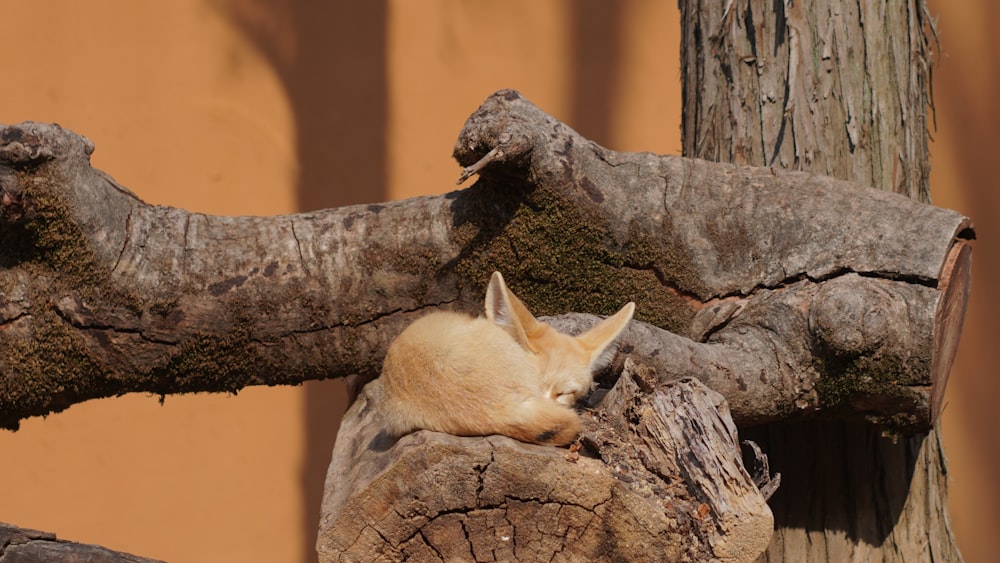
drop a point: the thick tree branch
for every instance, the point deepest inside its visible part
(102, 294)
(19, 544)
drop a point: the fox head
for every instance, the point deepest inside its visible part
(566, 363)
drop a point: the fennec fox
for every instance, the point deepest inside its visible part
(506, 374)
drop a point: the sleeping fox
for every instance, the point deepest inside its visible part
(506, 374)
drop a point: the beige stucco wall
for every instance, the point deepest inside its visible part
(271, 106)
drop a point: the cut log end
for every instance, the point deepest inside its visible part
(955, 280)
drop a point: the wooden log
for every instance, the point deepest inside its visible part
(659, 471)
(802, 307)
(102, 294)
(21, 545)
(852, 346)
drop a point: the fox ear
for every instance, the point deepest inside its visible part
(600, 340)
(508, 312)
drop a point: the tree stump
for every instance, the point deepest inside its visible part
(658, 470)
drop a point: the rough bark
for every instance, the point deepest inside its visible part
(832, 87)
(836, 88)
(19, 545)
(660, 472)
(102, 294)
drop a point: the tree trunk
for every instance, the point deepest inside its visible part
(836, 88)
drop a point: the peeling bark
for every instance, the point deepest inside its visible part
(836, 88)
(843, 89)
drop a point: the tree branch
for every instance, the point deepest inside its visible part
(102, 294)
(19, 544)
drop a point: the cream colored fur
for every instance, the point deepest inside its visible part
(505, 374)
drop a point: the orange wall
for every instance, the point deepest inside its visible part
(964, 177)
(271, 106)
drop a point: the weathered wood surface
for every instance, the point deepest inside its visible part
(841, 89)
(19, 545)
(102, 294)
(659, 471)
(806, 86)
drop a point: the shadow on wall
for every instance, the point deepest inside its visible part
(331, 58)
(597, 36)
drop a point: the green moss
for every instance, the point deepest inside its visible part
(52, 372)
(559, 255)
(162, 308)
(208, 363)
(55, 235)
(876, 385)
(50, 240)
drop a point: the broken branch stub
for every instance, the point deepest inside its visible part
(672, 484)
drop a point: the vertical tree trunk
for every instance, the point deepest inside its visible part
(842, 89)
